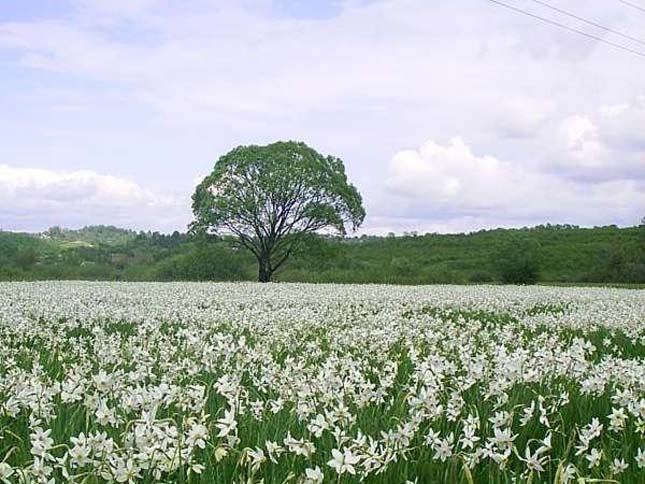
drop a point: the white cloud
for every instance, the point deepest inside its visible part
(522, 117)
(451, 184)
(236, 56)
(623, 125)
(30, 197)
(607, 143)
(580, 144)
(118, 8)
(160, 89)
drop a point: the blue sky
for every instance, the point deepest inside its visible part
(450, 115)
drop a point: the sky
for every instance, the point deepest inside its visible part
(450, 115)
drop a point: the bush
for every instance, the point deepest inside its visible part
(401, 266)
(481, 276)
(204, 262)
(519, 262)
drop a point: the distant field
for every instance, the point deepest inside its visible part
(297, 383)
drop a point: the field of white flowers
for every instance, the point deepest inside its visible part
(250, 383)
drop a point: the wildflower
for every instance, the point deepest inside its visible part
(503, 438)
(546, 444)
(469, 439)
(640, 458)
(533, 461)
(274, 450)
(594, 458)
(257, 458)
(197, 436)
(80, 453)
(219, 453)
(433, 437)
(314, 476)
(40, 469)
(6, 471)
(443, 450)
(318, 426)
(227, 424)
(127, 471)
(618, 466)
(617, 419)
(527, 414)
(343, 461)
(104, 414)
(41, 443)
(568, 474)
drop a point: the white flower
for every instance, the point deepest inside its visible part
(594, 458)
(6, 471)
(197, 436)
(257, 458)
(80, 453)
(274, 450)
(227, 424)
(617, 419)
(568, 474)
(433, 437)
(469, 439)
(127, 471)
(314, 476)
(533, 461)
(299, 446)
(364, 370)
(527, 414)
(503, 438)
(618, 466)
(443, 450)
(104, 414)
(40, 469)
(343, 461)
(640, 458)
(41, 443)
(318, 426)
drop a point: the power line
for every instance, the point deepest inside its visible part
(570, 29)
(589, 22)
(633, 5)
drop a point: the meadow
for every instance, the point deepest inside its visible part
(296, 383)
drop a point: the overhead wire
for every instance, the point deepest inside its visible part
(633, 5)
(588, 22)
(570, 29)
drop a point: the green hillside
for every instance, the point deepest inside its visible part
(558, 254)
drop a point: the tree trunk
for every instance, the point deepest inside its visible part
(264, 274)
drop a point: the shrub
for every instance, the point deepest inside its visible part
(518, 262)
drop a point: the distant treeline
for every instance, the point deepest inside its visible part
(546, 253)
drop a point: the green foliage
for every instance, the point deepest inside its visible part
(93, 234)
(567, 255)
(401, 265)
(202, 262)
(518, 261)
(26, 258)
(271, 196)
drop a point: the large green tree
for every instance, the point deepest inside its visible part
(270, 197)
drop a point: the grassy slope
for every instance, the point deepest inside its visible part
(567, 255)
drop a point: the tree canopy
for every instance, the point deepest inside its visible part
(271, 196)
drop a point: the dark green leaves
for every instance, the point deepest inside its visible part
(270, 196)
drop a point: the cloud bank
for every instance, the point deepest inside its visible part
(450, 115)
(30, 196)
(449, 183)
